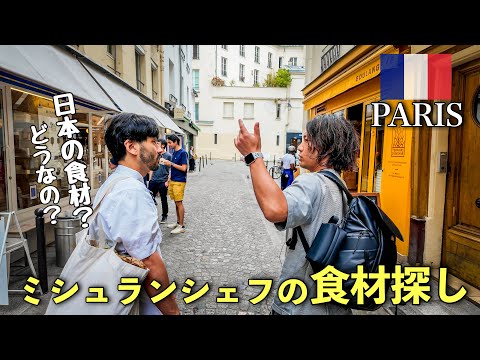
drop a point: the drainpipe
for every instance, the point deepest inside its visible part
(216, 60)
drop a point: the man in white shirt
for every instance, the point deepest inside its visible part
(127, 217)
(288, 167)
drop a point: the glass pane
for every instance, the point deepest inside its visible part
(3, 182)
(367, 133)
(99, 160)
(28, 110)
(379, 156)
(476, 108)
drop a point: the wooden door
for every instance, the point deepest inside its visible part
(461, 245)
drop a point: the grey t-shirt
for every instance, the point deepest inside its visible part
(312, 200)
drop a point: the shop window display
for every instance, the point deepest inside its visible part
(28, 110)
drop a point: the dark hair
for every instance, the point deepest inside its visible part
(163, 142)
(336, 138)
(128, 126)
(174, 138)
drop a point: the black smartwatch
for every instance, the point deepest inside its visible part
(250, 158)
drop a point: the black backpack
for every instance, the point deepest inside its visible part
(364, 236)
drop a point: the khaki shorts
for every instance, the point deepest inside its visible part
(176, 190)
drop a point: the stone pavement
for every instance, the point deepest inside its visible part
(227, 242)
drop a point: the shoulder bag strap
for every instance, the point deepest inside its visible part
(109, 189)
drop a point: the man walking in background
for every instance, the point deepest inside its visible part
(288, 167)
(178, 180)
(159, 179)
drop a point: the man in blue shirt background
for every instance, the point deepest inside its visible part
(159, 180)
(178, 179)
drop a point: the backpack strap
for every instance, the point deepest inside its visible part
(378, 213)
(337, 181)
(293, 240)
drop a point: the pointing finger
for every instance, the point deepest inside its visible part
(256, 129)
(243, 129)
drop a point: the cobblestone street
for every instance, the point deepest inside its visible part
(226, 243)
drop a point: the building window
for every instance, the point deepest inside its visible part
(215, 138)
(224, 66)
(269, 60)
(155, 81)
(111, 49)
(248, 111)
(196, 80)
(196, 52)
(242, 50)
(228, 110)
(197, 108)
(257, 54)
(292, 61)
(278, 110)
(280, 62)
(225, 47)
(278, 140)
(241, 73)
(139, 59)
(171, 80)
(255, 77)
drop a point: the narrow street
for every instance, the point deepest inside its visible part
(227, 242)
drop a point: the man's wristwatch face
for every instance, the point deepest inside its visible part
(250, 158)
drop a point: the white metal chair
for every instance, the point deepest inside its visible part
(14, 241)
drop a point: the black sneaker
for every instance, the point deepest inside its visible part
(164, 219)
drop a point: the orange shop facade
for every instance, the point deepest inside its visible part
(427, 179)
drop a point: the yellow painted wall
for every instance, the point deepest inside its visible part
(396, 177)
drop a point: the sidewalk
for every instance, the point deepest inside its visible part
(227, 242)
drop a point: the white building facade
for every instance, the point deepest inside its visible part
(178, 94)
(243, 70)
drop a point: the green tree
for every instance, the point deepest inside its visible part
(270, 81)
(283, 78)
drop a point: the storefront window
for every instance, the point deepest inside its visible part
(3, 183)
(367, 134)
(28, 110)
(99, 159)
(378, 156)
(354, 115)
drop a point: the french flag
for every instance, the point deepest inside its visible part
(416, 77)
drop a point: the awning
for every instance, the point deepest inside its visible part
(50, 70)
(126, 99)
(163, 118)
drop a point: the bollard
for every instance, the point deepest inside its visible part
(272, 170)
(41, 250)
(206, 159)
(210, 156)
(199, 164)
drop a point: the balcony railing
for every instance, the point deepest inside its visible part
(189, 115)
(332, 55)
(183, 107)
(173, 99)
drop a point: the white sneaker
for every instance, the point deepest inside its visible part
(171, 226)
(179, 229)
